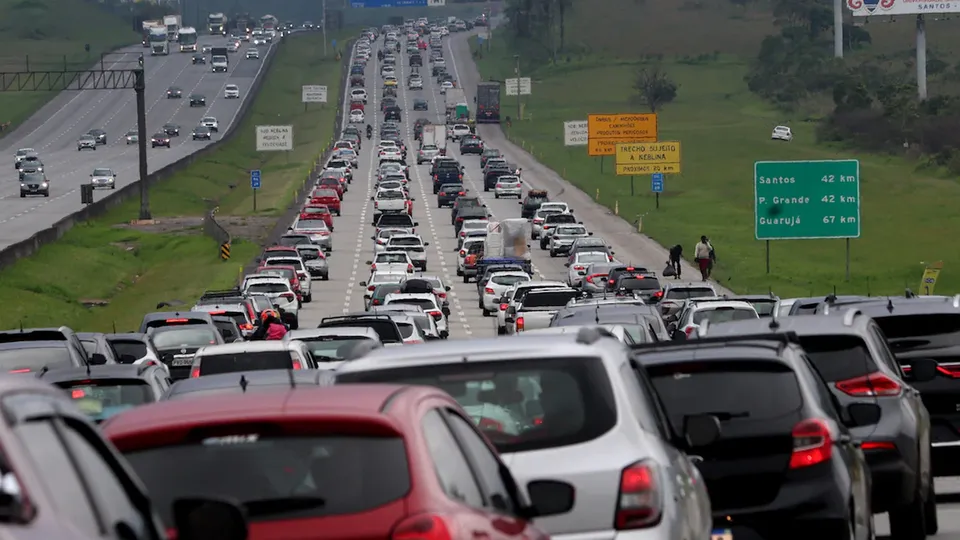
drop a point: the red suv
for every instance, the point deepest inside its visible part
(332, 183)
(326, 197)
(353, 461)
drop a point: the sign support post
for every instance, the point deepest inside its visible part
(519, 111)
(255, 186)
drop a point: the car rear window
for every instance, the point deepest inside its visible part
(638, 284)
(331, 348)
(245, 361)
(101, 399)
(425, 303)
(764, 307)
(268, 288)
(752, 391)
(838, 357)
(129, 351)
(406, 329)
(21, 360)
(275, 476)
(561, 218)
(549, 298)
(917, 332)
(723, 314)
(196, 336)
(689, 292)
(523, 404)
(386, 329)
(509, 280)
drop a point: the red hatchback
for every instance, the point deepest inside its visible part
(326, 197)
(317, 211)
(332, 183)
(358, 461)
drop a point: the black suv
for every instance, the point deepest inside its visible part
(772, 443)
(491, 175)
(851, 354)
(196, 100)
(530, 205)
(448, 194)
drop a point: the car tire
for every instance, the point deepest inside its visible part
(495, 196)
(486, 313)
(459, 272)
(114, 186)
(295, 324)
(308, 298)
(908, 522)
(501, 331)
(930, 509)
(23, 195)
(553, 253)
(46, 193)
(466, 279)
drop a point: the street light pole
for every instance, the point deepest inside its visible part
(517, 69)
(323, 24)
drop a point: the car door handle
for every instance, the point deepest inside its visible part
(481, 534)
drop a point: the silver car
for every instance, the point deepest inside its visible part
(497, 286)
(427, 153)
(86, 142)
(577, 266)
(103, 178)
(314, 260)
(563, 237)
(536, 225)
(594, 280)
(569, 406)
(508, 186)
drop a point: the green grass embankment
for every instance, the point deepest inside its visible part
(133, 269)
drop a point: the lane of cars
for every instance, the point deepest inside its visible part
(96, 129)
(716, 415)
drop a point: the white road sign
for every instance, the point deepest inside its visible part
(525, 86)
(575, 133)
(436, 3)
(274, 138)
(313, 93)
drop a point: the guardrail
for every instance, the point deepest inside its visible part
(283, 224)
(25, 248)
(214, 230)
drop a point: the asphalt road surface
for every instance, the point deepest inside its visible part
(53, 132)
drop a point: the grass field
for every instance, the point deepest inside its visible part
(724, 129)
(134, 270)
(46, 35)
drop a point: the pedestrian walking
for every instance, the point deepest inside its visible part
(676, 253)
(702, 256)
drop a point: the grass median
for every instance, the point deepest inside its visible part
(107, 273)
(724, 129)
(38, 35)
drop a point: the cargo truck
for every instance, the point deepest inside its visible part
(172, 25)
(429, 136)
(217, 24)
(219, 60)
(147, 28)
(158, 42)
(455, 105)
(506, 243)
(488, 103)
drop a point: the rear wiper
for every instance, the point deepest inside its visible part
(723, 416)
(280, 505)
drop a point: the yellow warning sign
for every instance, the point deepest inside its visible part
(648, 158)
(605, 130)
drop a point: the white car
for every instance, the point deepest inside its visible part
(303, 274)
(253, 54)
(413, 245)
(498, 285)
(522, 288)
(458, 131)
(427, 153)
(358, 94)
(357, 117)
(391, 261)
(781, 133)
(386, 71)
(415, 83)
(233, 46)
(444, 86)
(577, 268)
(390, 153)
(231, 91)
(701, 314)
(277, 289)
(555, 206)
(427, 301)
(210, 122)
(381, 278)
(464, 249)
(508, 186)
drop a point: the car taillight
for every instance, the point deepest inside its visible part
(376, 204)
(442, 295)
(289, 296)
(195, 373)
(459, 219)
(409, 268)
(872, 385)
(488, 290)
(436, 177)
(579, 267)
(489, 424)
(640, 503)
(373, 267)
(503, 307)
(462, 193)
(246, 326)
(537, 221)
(371, 287)
(658, 294)
(436, 314)
(812, 443)
(688, 330)
(461, 177)
(463, 234)
(296, 362)
(463, 253)
(422, 527)
(878, 445)
(610, 258)
(519, 324)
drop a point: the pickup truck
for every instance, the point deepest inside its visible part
(388, 201)
(537, 309)
(478, 266)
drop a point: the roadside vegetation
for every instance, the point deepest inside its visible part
(721, 74)
(115, 271)
(52, 35)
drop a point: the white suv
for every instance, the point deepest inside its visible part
(231, 91)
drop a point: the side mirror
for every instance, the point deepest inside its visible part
(200, 518)
(701, 430)
(362, 284)
(590, 234)
(416, 223)
(373, 237)
(97, 359)
(91, 176)
(579, 223)
(863, 414)
(565, 264)
(426, 243)
(447, 288)
(413, 198)
(549, 498)
(923, 369)
(369, 262)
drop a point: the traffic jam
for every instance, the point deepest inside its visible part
(440, 348)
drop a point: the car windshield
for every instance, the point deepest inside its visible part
(392, 257)
(102, 172)
(23, 360)
(723, 314)
(129, 351)
(103, 398)
(521, 405)
(185, 336)
(331, 348)
(244, 467)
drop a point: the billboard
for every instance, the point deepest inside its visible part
(866, 8)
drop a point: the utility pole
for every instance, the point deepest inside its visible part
(838, 28)
(517, 69)
(323, 25)
(140, 87)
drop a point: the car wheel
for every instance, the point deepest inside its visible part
(459, 272)
(930, 509)
(114, 186)
(308, 298)
(553, 253)
(501, 331)
(466, 279)
(23, 195)
(496, 196)
(908, 522)
(46, 193)
(486, 313)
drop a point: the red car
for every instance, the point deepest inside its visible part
(280, 251)
(333, 183)
(353, 461)
(356, 106)
(326, 197)
(317, 211)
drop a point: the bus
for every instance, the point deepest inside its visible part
(488, 103)
(268, 22)
(187, 39)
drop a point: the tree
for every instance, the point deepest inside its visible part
(654, 87)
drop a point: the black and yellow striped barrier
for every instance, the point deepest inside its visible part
(225, 251)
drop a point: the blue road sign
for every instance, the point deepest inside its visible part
(656, 183)
(255, 179)
(334, 43)
(480, 39)
(387, 3)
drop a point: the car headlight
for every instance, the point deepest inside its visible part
(23, 185)
(43, 184)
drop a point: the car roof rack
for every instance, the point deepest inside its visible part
(354, 317)
(780, 339)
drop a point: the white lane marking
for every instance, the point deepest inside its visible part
(444, 269)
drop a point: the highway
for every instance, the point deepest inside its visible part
(353, 245)
(53, 131)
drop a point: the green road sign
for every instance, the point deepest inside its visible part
(806, 199)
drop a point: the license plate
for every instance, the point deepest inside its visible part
(721, 534)
(180, 362)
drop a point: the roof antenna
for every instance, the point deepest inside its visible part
(293, 382)
(890, 305)
(243, 384)
(114, 327)
(88, 369)
(21, 325)
(868, 288)
(834, 291)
